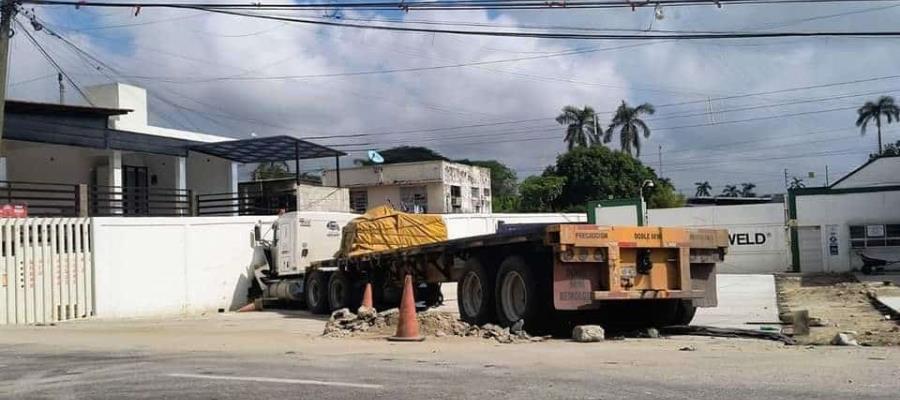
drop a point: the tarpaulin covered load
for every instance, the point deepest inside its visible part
(383, 228)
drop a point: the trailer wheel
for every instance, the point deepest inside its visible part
(342, 292)
(475, 294)
(685, 312)
(317, 293)
(516, 294)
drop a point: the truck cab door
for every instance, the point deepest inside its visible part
(285, 248)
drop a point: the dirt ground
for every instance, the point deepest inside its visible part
(842, 304)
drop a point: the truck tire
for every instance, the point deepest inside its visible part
(475, 294)
(517, 295)
(430, 295)
(685, 313)
(342, 292)
(317, 293)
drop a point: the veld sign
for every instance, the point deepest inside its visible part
(747, 239)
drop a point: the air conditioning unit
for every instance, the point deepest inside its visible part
(456, 201)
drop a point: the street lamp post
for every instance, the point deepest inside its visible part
(648, 184)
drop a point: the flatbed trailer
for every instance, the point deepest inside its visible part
(635, 276)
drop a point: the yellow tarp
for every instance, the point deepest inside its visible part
(383, 228)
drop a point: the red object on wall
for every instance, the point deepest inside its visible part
(14, 211)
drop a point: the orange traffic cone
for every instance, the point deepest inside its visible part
(407, 326)
(255, 305)
(367, 297)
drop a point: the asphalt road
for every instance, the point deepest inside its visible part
(28, 372)
(282, 355)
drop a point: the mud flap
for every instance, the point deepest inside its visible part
(574, 285)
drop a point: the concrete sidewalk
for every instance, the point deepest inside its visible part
(742, 299)
(889, 296)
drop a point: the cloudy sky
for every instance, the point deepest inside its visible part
(495, 98)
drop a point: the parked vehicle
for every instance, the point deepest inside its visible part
(539, 273)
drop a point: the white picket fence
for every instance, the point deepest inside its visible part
(46, 270)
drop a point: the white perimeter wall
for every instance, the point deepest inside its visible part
(169, 266)
(757, 233)
(843, 210)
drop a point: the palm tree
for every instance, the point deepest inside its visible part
(703, 189)
(873, 111)
(797, 183)
(581, 129)
(731, 191)
(628, 121)
(747, 189)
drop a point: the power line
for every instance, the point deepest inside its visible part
(50, 59)
(404, 5)
(230, 9)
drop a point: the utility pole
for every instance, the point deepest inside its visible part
(826, 174)
(786, 184)
(660, 162)
(7, 9)
(62, 88)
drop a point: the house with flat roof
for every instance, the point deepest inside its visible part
(106, 159)
(437, 187)
(833, 227)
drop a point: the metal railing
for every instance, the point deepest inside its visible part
(246, 203)
(43, 199)
(81, 200)
(139, 201)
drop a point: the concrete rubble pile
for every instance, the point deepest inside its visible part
(344, 323)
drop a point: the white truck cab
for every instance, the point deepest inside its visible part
(285, 249)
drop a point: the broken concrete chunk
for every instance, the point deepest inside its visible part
(342, 314)
(366, 312)
(588, 333)
(517, 327)
(844, 339)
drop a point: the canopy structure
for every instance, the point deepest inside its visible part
(269, 149)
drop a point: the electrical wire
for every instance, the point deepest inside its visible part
(241, 10)
(53, 62)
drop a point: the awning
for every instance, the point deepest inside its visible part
(82, 127)
(267, 149)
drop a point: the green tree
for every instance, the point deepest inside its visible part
(594, 173)
(271, 170)
(747, 189)
(731, 191)
(402, 154)
(890, 149)
(539, 193)
(504, 183)
(630, 125)
(874, 111)
(581, 129)
(703, 189)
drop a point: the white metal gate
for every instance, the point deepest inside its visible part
(809, 242)
(46, 270)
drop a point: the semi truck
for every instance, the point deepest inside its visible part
(533, 273)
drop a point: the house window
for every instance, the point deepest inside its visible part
(414, 199)
(455, 199)
(476, 200)
(874, 235)
(359, 200)
(487, 192)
